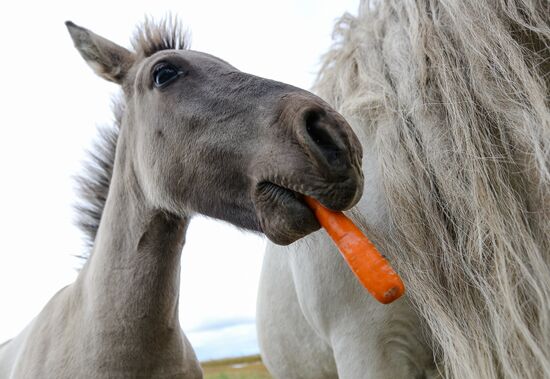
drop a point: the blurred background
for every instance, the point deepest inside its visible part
(51, 105)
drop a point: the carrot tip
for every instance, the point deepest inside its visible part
(392, 294)
(366, 262)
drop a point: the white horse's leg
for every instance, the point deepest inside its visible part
(380, 342)
(290, 348)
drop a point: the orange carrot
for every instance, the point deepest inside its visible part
(368, 265)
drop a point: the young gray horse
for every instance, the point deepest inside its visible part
(195, 135)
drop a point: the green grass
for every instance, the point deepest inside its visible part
(223, 375)
(236, 368)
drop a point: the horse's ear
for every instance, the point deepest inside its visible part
(107, 59)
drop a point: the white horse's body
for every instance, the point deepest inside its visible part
(450, 102)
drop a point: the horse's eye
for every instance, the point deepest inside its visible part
(164, 73)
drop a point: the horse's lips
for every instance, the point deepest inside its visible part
(284, 217)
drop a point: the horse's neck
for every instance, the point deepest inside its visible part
(131, 282)
(120, 317)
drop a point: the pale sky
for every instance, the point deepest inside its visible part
(51, 105)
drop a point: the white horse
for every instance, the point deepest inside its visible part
(194, 135)
(450, 100)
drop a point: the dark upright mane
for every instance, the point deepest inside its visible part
(168, 34)
(93, 183)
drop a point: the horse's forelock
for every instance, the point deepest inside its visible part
(167, 34)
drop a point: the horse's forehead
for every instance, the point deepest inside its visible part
(193, 57)
(204, 57)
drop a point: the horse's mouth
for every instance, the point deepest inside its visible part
(283, 215)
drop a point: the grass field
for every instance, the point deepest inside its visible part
(235, 368)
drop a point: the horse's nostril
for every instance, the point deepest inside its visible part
(318, 131)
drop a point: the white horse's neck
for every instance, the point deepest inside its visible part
(130, 285)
